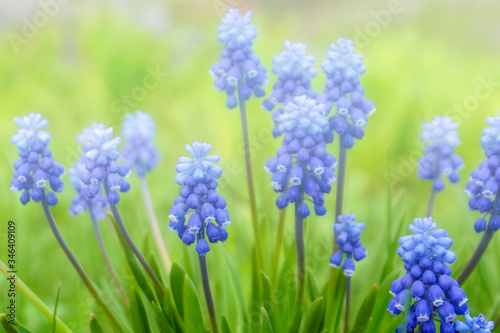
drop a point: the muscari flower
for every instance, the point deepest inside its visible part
(99, 154)
(344, 91)
(484, 180)
(349, 243)
(80, 203)
(302, 166)
(441, 137)
(239, 73)
(427, 288)
(199, 210)
(295, 70)
(35, 167)
(139, 151)
(477, 324)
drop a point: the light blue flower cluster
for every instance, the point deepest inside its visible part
(99, 154)
(427, 286)
(36, 166)
(477, 324)
(441, 137)
(139, 151)
(484, 181)
(344, 91)
(80, 203)
(302, 160)
(239, 73)
(198, 198)
(295, 70)
(349, 243)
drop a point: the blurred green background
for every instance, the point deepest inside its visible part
(424, 58)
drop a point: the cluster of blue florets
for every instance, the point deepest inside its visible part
(427, 287)
(484, 180)
(441, 137)
(35, 168)
(349, 243)
(80, 203)
(239, 73)
(199, 199)
(99, 154)
(139, 151)
(344, 91)
(294, 69)
(477, 324)
(302, 166)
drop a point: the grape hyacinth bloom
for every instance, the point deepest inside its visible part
(349, 243)
(427, 287)
(343, 90)
(139, 151)
(239, 73)
(477, 324)
(294, 69)
(35, 169)
(302, 168)
(99, 157)
(80, 203)
(439, 160)
(199, 212)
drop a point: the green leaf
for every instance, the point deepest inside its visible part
(365, 312)
(192, 309)
(335, 293)
(8, 327)
(177, 274)
(269, 300)
(138, 312)
(313, 317)
(161, 320)
(225, 325)
(311, 285)
(153, 262)
(95, 326)
(171, 312)
(54, 323)
(265, 323)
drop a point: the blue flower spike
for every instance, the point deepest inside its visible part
(349, 243)
(427, 287)
(294, 69)
(139, 151)
(302, 168)
(99, 155)
(440, 160)
(477, 324)
(343, 91)
(35, 171)
(239, 73)
(199, 210)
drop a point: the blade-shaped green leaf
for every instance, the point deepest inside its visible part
(265, 323)
(177, 275)
(153, 262)
(269, 300)
(54, 323)
(95, 326)
(192, 310)
(9, 328)
(138, 312)
(311, 285)
(225, 325)
(311, 321)
(365, 312)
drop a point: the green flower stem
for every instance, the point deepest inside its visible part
(301, 264)
(481, 247)
(277, 247)
(340, 186)
(88, 283)
(207, 291)
(251, 188)
(37, 302)
(107, 260)
(153, 222)
(430, 205)
(130, 242)
(347, 303)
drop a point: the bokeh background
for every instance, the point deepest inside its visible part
(78, 62)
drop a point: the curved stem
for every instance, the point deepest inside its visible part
(251, 189)
(481, 247)
(155, 228)
(107, 260)
(123, 230)
(86, 280)
(207, 291)
(430, 205)
(301, 264)
(277, 247)
(340, 187)
(37, 302)
(347, 303)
